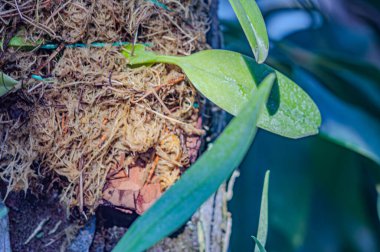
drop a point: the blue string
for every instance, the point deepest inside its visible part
(40, 78)
(37, 77)
(94, 44)
(159, 4)
(81, 45)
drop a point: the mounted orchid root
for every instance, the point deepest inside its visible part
(93, 125)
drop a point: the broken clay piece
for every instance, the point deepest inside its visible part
(130, 193)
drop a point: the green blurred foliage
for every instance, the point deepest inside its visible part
(323, 194)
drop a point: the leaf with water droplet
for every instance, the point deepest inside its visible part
(227, 78)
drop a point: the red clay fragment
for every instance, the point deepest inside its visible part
(120, 198)
(130, 192)
(148, 195)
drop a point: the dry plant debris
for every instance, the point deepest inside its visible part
(107, 133)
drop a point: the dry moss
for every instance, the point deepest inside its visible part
(180, 30)
(97, 116)
(16, 161)
(84, 128)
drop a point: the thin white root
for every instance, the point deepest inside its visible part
(37, 230)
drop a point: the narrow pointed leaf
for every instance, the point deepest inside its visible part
(263, 221)
(6, 83)
(228, 78)
(253, 24)
(202, 179)
(259, 245)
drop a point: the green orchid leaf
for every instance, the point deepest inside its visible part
(260, 247)
(262, 232)
(6, 84)
(202, 179)
(228, 78)
(252, 22)
(24, 43)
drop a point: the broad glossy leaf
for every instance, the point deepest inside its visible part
(253, 24)
(227, 78)
(263, 221)
(6, 83)
(200, 181)
(259, 247)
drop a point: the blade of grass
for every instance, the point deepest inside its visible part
(252, 22)
(177, 205)
(262, 231)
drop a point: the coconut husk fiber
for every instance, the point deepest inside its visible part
(104, 132)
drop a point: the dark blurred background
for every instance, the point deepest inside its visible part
(322, 193)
